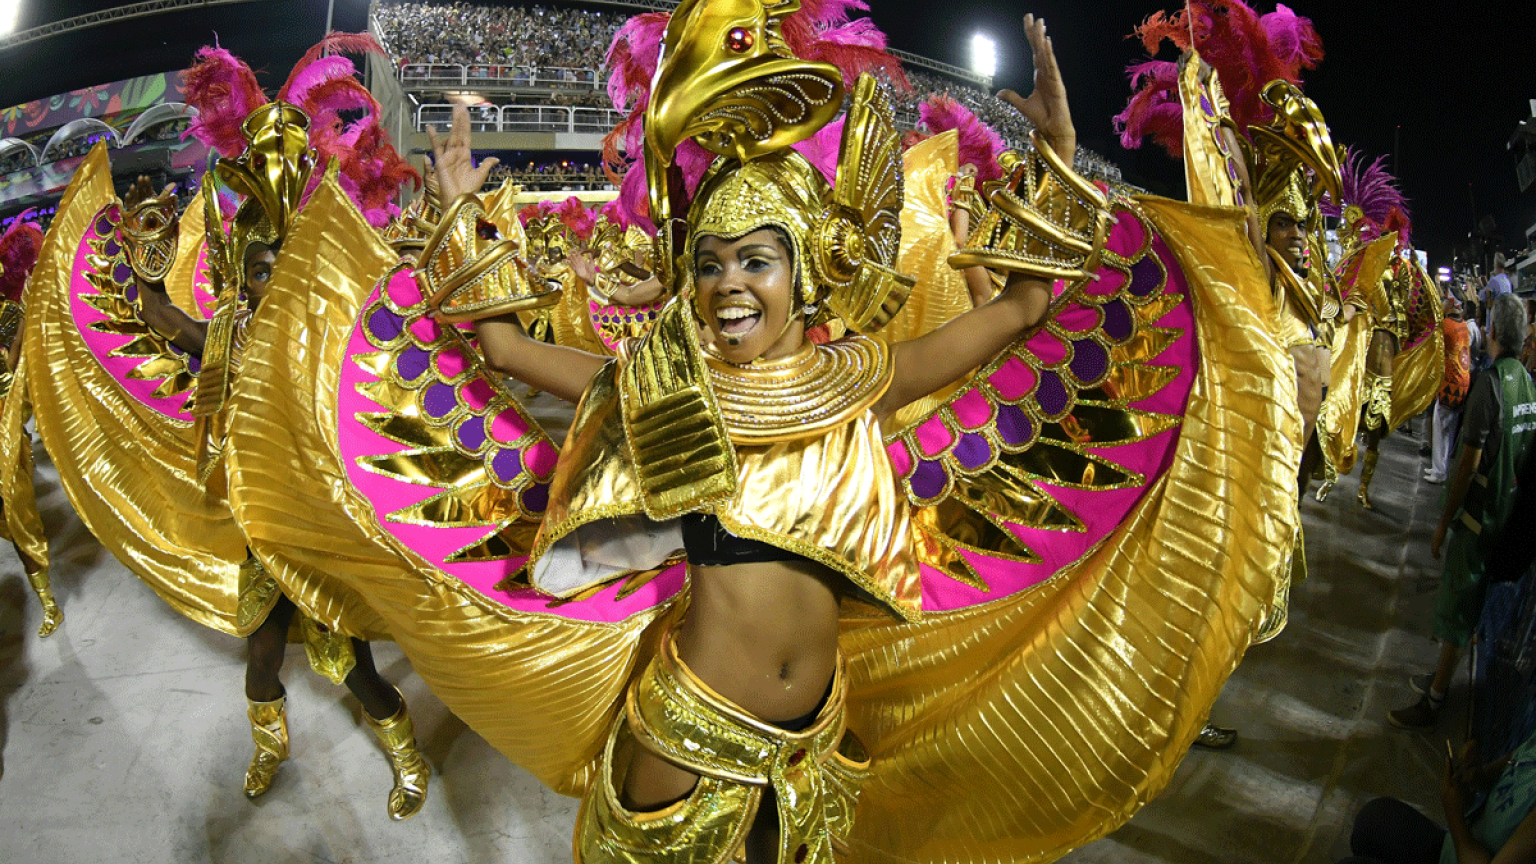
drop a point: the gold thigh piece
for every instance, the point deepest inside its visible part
(814, 773)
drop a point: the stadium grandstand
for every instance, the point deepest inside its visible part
(531, 74)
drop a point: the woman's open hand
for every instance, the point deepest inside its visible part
(1046, 108)
(453, 162)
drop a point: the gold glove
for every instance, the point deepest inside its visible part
(469, 271)
(1045, 221)
(149, 236)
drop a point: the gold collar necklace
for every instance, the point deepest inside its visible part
(814, 389)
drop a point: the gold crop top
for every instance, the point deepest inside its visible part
(829, 496)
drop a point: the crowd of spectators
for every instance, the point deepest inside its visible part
(75, 147)
(468, 34)
(523, 44)
(564, 176)
(16, 160)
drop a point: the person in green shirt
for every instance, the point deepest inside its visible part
(1497, 431)
(1500, 831)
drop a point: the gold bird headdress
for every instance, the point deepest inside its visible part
(727, 79)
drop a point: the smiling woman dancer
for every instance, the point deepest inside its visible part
(757, 653)
(1022, 596)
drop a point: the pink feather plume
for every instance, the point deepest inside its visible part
(1247, 51)
(224, 91)
(20, 246)
(980, 145)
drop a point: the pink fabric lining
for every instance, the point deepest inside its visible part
(100, 344)
(1101, 512)
(383, 495)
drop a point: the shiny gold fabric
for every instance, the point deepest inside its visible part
(542, 689)
(129, 471)
(927, 241)
(831, 498)
(1210, 165)
(673, 714)
(1416, 377)
(22, 524)
(1021, 729)
(1339, 421)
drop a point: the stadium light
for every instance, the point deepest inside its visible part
(10, 10)
(983, 55)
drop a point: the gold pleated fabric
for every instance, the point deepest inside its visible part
(1339, 421)
(540, 688)
(22, 524)
(129, 471)
(1416, 378)
(1016, 731)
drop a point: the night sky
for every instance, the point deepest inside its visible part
(1442, 88)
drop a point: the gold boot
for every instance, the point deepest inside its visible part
(1367, 469)
(53, 616)
(269, 729)
(412, 772)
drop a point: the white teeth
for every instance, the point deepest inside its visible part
(732, 313)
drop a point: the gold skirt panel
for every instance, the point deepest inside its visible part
(1416, 377)
(1016, 731)
(22, 524)
(542, 689)
(1339, 421)
(129, 471)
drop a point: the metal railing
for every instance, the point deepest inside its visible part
(435, 75)
(523, 118)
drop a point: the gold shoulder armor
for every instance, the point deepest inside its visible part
(469, 271)
(1046, 221)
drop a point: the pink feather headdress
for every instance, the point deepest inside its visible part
(980, 145)
(19, 248)
(1247, 51)
(371, 171)
(574, 215)
(821, 31)
(1374, 190)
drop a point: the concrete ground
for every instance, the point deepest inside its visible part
(124, 737)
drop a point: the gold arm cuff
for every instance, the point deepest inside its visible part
(1046, 221)
(468, 271)
(11, 314)
(149, 237)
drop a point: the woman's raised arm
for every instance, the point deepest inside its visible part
(933, 360)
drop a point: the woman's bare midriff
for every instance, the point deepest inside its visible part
(764, 636)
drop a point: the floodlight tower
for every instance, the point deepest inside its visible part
(984, 56)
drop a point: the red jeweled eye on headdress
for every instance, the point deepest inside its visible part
(260, 161)
(739, 39)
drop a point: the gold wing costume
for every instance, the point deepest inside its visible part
(20, 246)
(1096, 517)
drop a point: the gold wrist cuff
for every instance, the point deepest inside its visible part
(965, 196)
(1046, 221)
(468, 271)
(149, 237)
